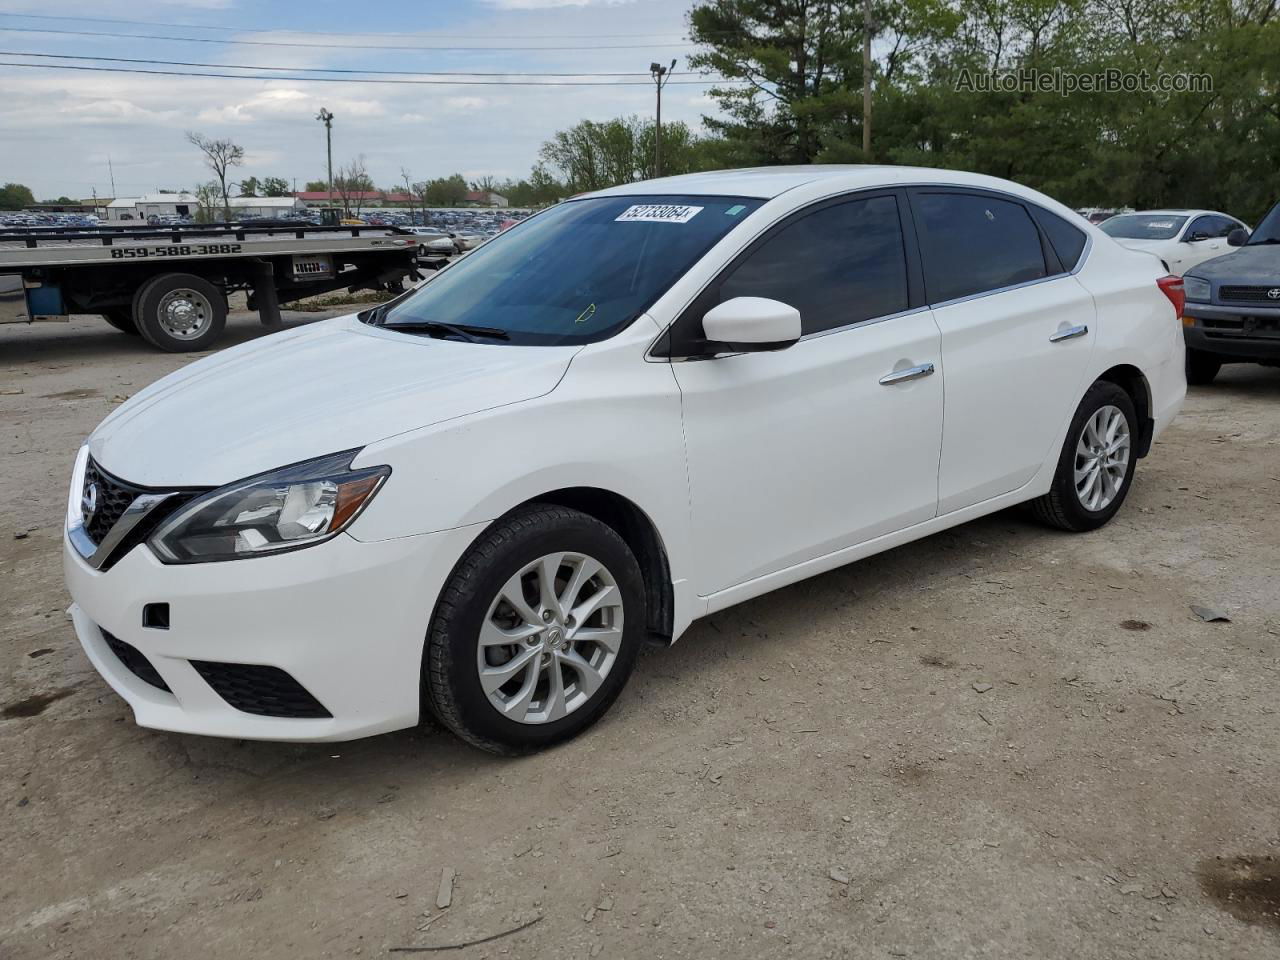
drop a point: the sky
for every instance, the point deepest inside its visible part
(59, 127)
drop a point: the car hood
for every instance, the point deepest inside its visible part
(1247, 265)
(327, 387)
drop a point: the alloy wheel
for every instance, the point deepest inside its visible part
(1102, 458)
(550, 638)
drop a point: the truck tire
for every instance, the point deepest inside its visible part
(122, 319)
(1201, 367)
(180, 312)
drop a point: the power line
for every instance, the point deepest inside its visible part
(243, 66)
(428, 83)
(334, 46)
(344, 33)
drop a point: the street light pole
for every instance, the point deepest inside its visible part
(327, 118)
(661, 75)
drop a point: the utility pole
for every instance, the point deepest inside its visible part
(111, 170)
(327, 118)
(866, 80)
(661, 75)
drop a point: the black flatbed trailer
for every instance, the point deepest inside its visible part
(170, 285)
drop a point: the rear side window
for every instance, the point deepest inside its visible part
(1067, 240)
(972, 244)
(838, 265)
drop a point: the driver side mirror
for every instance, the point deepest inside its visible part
(1197, 237)
(751, 324)
(1238, 237)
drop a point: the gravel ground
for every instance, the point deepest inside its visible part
(998, 742)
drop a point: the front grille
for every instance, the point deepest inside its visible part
(112, 496)
(264, 691)
(1251, 294)
(135, 662)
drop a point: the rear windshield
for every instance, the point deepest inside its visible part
(576, 273)
(1143, 226)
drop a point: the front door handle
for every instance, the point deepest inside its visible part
(1070, 333)
(910, 373)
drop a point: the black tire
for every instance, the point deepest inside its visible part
(422, 252)
(450, 680)
(146, 312)
(1061, 506)
(1201, 367)
(122, 319)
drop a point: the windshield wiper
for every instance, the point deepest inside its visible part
(439, 329)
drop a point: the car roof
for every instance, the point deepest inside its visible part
(1172, 212)
(769, 182)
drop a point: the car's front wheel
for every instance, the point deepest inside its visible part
(1095, 467)
(536, 631)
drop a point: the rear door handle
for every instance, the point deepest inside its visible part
(910, 373)
(1070, 333)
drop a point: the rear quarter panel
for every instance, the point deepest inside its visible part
(1137, 325)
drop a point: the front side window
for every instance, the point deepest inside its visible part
(839, 265)
(1212, 227)
(577, 273)
(1143, 226)
(973, 244)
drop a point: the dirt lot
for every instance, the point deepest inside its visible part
(999, 742)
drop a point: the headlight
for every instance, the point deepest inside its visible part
(1197, 289)
(289, 508)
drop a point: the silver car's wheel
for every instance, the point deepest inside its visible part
(185, 314)
(1102, 457)
(550, 638)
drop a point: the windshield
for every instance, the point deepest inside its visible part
(1268, 230)
(1143, 226)
(577, 273)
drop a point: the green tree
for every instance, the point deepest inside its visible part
(593, 155)
(445, 191)
(316, 186)
(250, 186)
(276, 187)
(15, 196)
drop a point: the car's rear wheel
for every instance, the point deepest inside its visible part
(1095, 467)
(536, 631)
(1201, 367)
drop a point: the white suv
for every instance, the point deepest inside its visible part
(630, 411)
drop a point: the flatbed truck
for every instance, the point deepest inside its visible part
(170, 285)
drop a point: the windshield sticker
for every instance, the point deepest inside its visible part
(736, 209)
(1160, 224)
(586, 314)
(658, 213)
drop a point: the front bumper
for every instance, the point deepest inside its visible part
(345, 619)
(1249, 333)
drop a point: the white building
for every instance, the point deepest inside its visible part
(132, 209)
(265, 206)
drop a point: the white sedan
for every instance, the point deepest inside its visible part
(632, 410)
(1181, 238)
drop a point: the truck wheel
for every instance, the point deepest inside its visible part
(122, 319)
(1201, 367)
(180, 312)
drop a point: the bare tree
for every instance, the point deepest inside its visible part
(408, 189)
(351, 184)
(220, 155)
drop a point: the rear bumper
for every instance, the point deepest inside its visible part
(346, 620)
